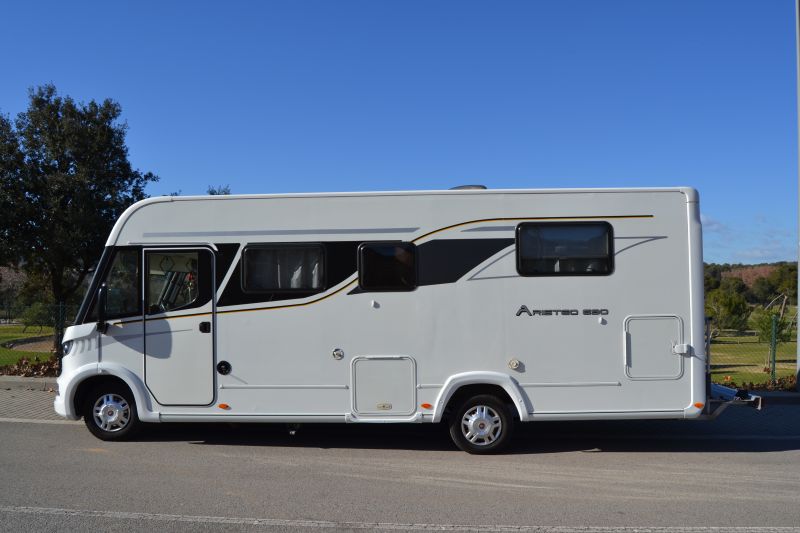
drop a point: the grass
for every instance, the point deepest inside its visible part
(745, 360)
(14, 332)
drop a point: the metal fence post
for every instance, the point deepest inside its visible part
(773, 348)
(708, 359)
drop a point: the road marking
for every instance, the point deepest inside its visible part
(325, 524)
(39, 421)
(474, 482)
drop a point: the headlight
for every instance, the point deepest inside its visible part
(66, 347)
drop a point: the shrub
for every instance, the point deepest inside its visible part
(762, 322)
(37, 315)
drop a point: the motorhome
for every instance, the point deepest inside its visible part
(478, 308)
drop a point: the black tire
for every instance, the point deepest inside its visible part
(467, 425)
(109, 411)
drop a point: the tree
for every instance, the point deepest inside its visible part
(728, 309)
(64, 179)
(762, 321)
(713, 275)
(784, 279)
(733, 284)
(219, 190)
(762, 291)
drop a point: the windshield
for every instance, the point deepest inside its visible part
(87, 298)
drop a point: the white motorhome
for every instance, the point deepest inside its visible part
(478, 308)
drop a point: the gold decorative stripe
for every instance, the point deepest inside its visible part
(289, 305)
(460, 224)
(614, 217)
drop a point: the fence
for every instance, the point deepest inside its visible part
(37, 321)
(741, 359)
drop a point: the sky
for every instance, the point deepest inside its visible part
(312, 96)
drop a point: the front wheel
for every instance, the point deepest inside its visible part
(482, 424)
(109, 412)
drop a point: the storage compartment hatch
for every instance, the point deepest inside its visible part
(384, 385)
(651, 346)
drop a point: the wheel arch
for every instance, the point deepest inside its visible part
(85, 378)
(481, 382)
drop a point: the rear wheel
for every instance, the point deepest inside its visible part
(109, 411)
(482, 424)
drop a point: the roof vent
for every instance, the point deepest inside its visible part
(468, 187)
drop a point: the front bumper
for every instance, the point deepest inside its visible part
(61, 405)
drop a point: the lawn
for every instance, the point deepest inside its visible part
(746, 360)
(13, 332)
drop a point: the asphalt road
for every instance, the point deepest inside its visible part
(741, 471)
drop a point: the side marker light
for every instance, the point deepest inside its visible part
(426, 406)
(699, 405)
(224, 406)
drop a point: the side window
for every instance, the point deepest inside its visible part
(177, 279)
(283, 268)
(565, 249)
(123, 283)
(387, 266)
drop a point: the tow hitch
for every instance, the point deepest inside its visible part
(721, 397)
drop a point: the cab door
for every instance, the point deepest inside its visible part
(179, 325)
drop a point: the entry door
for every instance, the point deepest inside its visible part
(179, 325)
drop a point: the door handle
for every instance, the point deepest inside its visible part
(205, 327)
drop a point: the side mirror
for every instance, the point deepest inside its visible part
(102, 325)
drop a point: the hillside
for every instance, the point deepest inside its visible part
(749, 274)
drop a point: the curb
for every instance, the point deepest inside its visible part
(23, 383)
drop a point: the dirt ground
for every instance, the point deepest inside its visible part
(37, 346)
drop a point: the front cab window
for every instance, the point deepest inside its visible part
(123, 285)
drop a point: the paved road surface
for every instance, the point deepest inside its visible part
(741, 471)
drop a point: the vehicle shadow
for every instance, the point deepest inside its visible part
(777, 428)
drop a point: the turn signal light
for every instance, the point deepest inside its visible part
(699, 405)
(426, 406)
(224, 406)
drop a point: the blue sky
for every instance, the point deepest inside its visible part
(365, 95)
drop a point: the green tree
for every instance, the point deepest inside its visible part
(762, 291)
(728, 309)
(713, 275)
(784, 280)
(65, 178)
(733, 284)
(762, 321)
(219, 190)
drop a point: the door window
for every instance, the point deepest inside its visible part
(177, 280)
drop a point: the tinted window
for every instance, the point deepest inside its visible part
(277, 268)
(564, 249)
(387, 266)
(123, 285)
